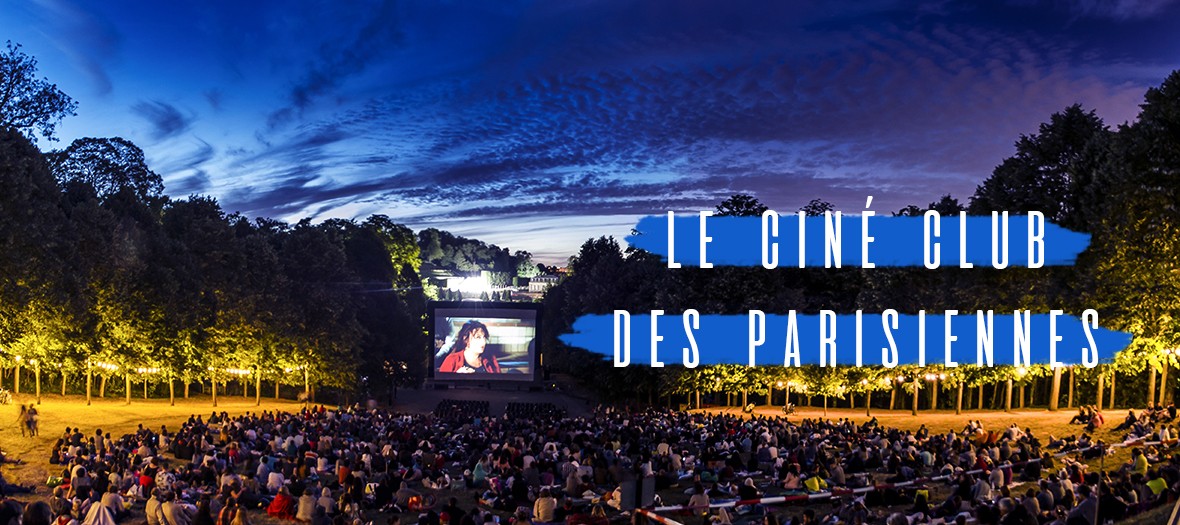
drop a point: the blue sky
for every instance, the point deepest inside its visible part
(537, 125)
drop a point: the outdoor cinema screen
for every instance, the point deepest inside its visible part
(484, 341)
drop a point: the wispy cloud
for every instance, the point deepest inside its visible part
(165, 119)
(334, 65)
(1107, 9)
(903, 113)
(90, 41)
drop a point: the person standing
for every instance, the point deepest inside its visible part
(22, 420)
(32, 417)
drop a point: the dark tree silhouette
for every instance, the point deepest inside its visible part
(29, 104)
(741, 205)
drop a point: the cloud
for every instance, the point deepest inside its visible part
(166, 121)
(334, 65)
(1121, 10)
(902, 113)
(89, 40)
(185, 168)
(213, 97)
(581, 118)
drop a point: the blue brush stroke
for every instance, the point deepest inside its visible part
(898, 241)
(723, 339)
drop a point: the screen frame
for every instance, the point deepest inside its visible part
(432, 308)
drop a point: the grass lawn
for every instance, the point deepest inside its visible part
(111, 415)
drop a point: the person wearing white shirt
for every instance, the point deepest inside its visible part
(996, 478)
(275, 481)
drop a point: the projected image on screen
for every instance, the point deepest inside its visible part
(479, 343)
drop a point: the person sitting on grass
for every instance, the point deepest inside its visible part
(1096, 421)
(283, 506)
(1137, 464)
(1128, 422)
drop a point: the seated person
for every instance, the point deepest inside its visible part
(1096, 421)
(1128, 421)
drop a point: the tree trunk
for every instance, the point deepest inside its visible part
(171, 392)
(214, 383)
(1113, 376)
(996, 396)
(869, 404)
(1101, 382)
(102, 387)
(64, 376)
(145, 388)
(698, 395)
(1022, 395)
(914, 408)
(277, 383)
(257, 389)
(892, 397)
(1164, 383)
(127, 386)
(186, 385)
(1069, 400)
(980, 396)
(934, 395)
(1008, 398)
(825, 405)
(959, 402)
(37, 373)
(1150, 385)
(744, 402)
(89, 383)
(1056, 392)
(306, 388)
(16, 385)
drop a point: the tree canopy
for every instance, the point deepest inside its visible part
(32, 106)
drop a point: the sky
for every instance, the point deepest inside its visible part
(539, 125)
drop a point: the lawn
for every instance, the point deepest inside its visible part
(110, 415)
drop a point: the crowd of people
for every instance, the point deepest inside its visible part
(350, 466)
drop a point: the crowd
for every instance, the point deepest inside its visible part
(345, 466)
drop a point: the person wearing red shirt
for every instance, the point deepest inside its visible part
(467, 353)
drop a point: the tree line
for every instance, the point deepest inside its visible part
(1119, 184)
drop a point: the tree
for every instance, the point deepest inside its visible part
(110, 165)
(524, 264)
(741, 205)
(1051, 172)
(817, 207)
(33, 253)
(28, 104)
(946, 206)
(826, 381)
(399, 241)
(1136, 280)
